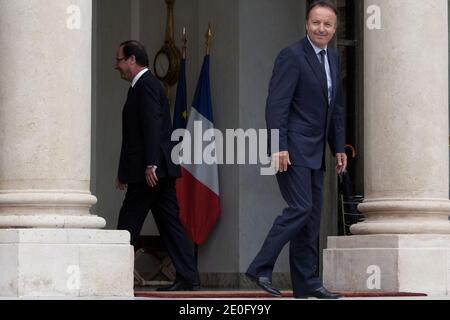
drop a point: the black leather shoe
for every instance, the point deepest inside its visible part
(320, 293)
(265, 284)
(179, 286)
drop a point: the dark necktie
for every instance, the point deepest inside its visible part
(129, 92)
(323, 53)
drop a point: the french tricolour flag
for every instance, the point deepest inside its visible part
(198, 189)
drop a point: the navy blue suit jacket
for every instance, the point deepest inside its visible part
(298, 106)
(146, 132)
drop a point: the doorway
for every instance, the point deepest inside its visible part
(350, 46)
(349, 43)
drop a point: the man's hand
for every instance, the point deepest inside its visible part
(150, 176)
(281, 161)
(120, 185)
(341, 162)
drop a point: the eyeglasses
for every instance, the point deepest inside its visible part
(120, 59)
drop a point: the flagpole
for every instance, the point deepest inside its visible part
(209, 37)
(184, 50)
(167, 88)
(184, 40)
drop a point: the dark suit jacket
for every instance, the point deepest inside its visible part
(146, 132)
(298, 105)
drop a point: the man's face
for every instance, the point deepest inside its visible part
(123, 65)
(321, 26)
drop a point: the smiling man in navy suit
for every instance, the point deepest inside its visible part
(305, 104)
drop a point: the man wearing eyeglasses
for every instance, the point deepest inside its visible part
(146, 170)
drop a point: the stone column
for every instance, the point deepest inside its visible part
(45, 116)
(406, 205)
(406, 120)
(45, 136)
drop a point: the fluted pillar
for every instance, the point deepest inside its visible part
(404, 243)
(406, 120)
(45, 114)
(50, 245)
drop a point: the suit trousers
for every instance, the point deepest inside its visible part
(162, 201)
(299, 225)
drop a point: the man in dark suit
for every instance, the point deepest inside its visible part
(146, 170)
(305, 105)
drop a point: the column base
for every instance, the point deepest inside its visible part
(403, 216)
(65, 263)
(52, 221)
(388, 263)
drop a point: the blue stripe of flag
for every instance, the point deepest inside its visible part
(202, 98)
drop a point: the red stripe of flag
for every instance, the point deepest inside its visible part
(199, 207)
